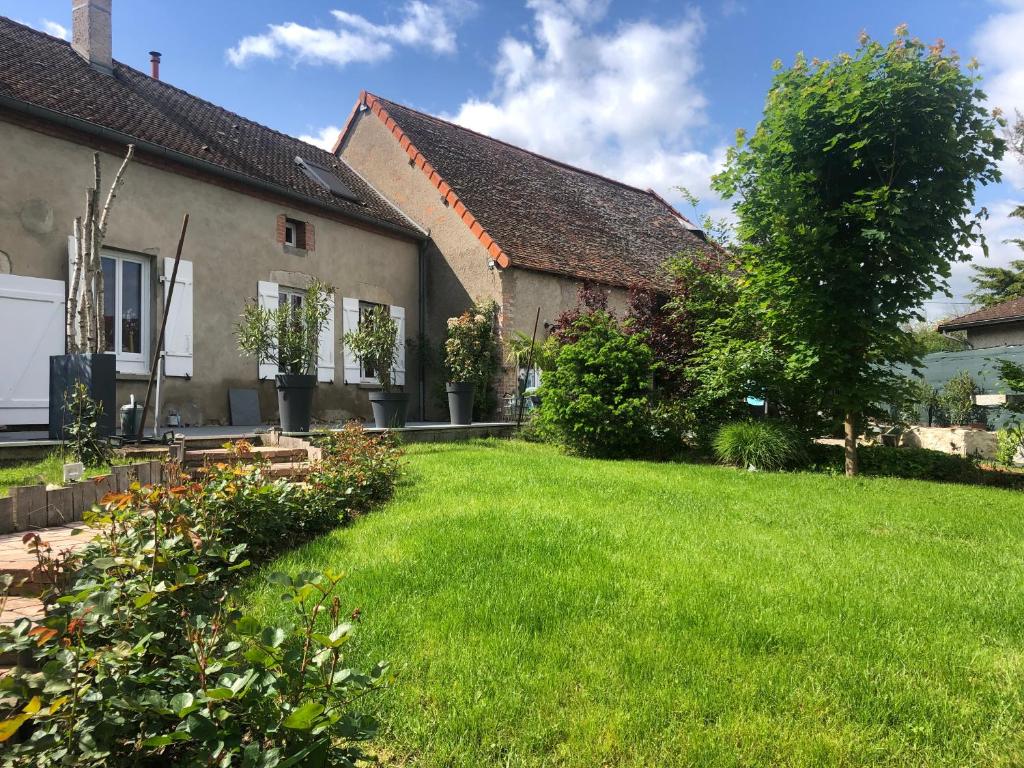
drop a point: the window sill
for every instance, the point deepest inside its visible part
(291, 250)
(132, 377)
(368, 385)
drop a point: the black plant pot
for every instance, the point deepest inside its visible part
(295, 400)
(460, 402)
(389, 409)
(98, 373)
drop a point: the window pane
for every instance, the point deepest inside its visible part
(131, 307)
(109, 302)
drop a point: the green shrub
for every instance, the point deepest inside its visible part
(1011, 443)
(356, 472)
(907, 463)
(82, 438)
(957, 399)
(147, 657)
(763, 445)
(596, 395)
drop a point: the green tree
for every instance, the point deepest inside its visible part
(855, 195)
(995, 285)
(929, 340)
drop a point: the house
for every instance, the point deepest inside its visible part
(508, 224)
(1001, 325)
(268, 214)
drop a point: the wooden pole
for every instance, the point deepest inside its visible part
(163, 328)
(529, 369)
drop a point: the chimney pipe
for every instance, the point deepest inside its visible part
(154, 60)
(91, 33)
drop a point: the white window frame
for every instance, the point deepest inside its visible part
(132, 362)
(284, 290)
(364, 306)
(291, 233)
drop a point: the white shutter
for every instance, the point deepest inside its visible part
(325, 353)
(267, 297)
(178, 335)
(398, 375)
(350, 322)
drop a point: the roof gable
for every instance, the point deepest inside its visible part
(45, 72)
(537, 213)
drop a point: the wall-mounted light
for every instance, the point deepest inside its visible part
(491, 263)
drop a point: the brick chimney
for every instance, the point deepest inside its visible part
(91, 33)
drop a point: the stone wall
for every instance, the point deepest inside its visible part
(959, 441)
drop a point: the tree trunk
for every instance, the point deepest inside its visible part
(74, 286)
(852, 466)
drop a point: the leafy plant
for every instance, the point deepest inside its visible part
(286, 336)
(83, 439)
(596, 394)
(375, 343)
(957, 399)
(1010, 444)
(470, 350)
(842, 236)
(761, 445)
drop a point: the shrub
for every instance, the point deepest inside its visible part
(907, 463)
(356, 472)
(471, 353)
(286, 336)
(763, 445)
(1011, 443)
(149, 660)
(375, 344)
(83, 440)
(596, 395)
(957, 399)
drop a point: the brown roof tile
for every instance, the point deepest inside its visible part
(43, 71)
(997, 313)
(544, 214)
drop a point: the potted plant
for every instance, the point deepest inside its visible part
(375, 344)
(87, 361)
(469, 355)
(289, 337)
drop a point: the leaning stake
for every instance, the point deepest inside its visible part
(163, 327)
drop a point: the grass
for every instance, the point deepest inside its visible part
(48, 470)
(541, 610)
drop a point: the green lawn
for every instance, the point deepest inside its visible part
(541, 610)
(48, 470)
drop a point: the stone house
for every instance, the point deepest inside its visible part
(268, 214)
(508, 224)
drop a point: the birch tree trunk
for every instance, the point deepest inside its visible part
(74, 283)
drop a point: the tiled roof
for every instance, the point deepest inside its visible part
(45, 72)
(998, 313)
(541, 213)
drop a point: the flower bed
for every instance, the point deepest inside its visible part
(146, 655)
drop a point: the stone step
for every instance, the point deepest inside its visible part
(274, 455)
(217, 441)
(20, 563)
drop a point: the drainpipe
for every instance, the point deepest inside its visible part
(422, 374)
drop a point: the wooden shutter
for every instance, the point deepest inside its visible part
(398, 315)
(325, 352)
(178, 335)
(268, 299)
(350, 322)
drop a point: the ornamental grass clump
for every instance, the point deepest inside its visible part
(760, 445)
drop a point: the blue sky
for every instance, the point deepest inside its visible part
(648, 91)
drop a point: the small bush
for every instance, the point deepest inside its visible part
(763, 445)
(356, 472)
(1011, 443)
(596, 395)
(82, 438)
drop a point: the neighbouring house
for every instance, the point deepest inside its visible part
(268, 214)
(509, 224)
(1001, 325)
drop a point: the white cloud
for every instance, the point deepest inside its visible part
(357, 39)
(625, 103)
(324, 138)
(53, 28)
(998, 46)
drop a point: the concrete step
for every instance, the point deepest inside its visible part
(274, 455)
(217, 441)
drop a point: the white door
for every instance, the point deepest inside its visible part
(35, 307)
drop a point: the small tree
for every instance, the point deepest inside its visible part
(956, 399)
(375, 344)
(84, 311)
(286, 336)
(855, 195)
